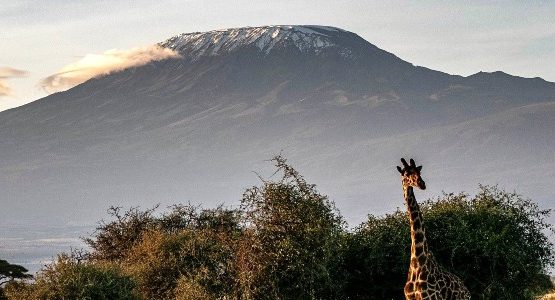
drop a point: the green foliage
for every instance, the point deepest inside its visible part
(287, 241)
(199, 257)
(113, 239)
(188, 289)
(220, 219)
(193, 244)
(294, 238)
(495, 241)
(377, 258)
(70, 278)
(10, 272)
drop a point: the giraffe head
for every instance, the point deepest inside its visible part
(411, 174)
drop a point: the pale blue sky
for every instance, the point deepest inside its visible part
(463, 37)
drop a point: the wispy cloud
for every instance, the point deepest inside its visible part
(7, 73)
(93, 65)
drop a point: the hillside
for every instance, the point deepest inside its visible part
(341, 109)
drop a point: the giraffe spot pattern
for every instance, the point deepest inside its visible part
(426, 279)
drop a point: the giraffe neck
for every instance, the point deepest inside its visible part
(419, 245)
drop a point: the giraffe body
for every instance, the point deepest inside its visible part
(426, 280)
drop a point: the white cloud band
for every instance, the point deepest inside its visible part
(93, 65)
(7, 73)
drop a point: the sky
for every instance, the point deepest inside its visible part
(40, 39)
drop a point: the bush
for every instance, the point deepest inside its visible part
(189, 242)
(113, 239)
(69, 278)
(287, 241)
(188, 289)
(290, 250)
(495, 241)
(197, 256)
(377, 258)
(10, 272)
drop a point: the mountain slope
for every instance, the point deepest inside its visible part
(343, 110)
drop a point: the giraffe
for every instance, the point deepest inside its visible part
(426, 278)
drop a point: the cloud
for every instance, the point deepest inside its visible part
(7, 73)
(93, 65)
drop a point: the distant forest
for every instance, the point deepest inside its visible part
(288, 241)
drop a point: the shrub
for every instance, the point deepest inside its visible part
(197, 255)
(69, 278)
(10, 272)
(113, 239)
(376, 258)
(495, 241)
(294, 235)
(220, 219)
(188, 289)
(157, 250)
(287, 241)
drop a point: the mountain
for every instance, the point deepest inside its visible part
(194, 128)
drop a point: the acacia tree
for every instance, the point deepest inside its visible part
(292, 241)
(69, 277)
(10, 272)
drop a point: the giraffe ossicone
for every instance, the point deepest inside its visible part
(426, 278)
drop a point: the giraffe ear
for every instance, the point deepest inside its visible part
(419, 168)
(399, 169)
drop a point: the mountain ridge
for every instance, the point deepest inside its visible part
(187, 129)
(306, 38)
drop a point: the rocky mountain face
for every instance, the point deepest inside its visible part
(342, 110)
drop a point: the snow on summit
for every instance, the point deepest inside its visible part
(307, 39)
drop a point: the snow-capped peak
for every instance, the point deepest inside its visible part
(307, 39)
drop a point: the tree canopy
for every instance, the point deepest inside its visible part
(288, 241)
(10, 271)
(496, 241)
